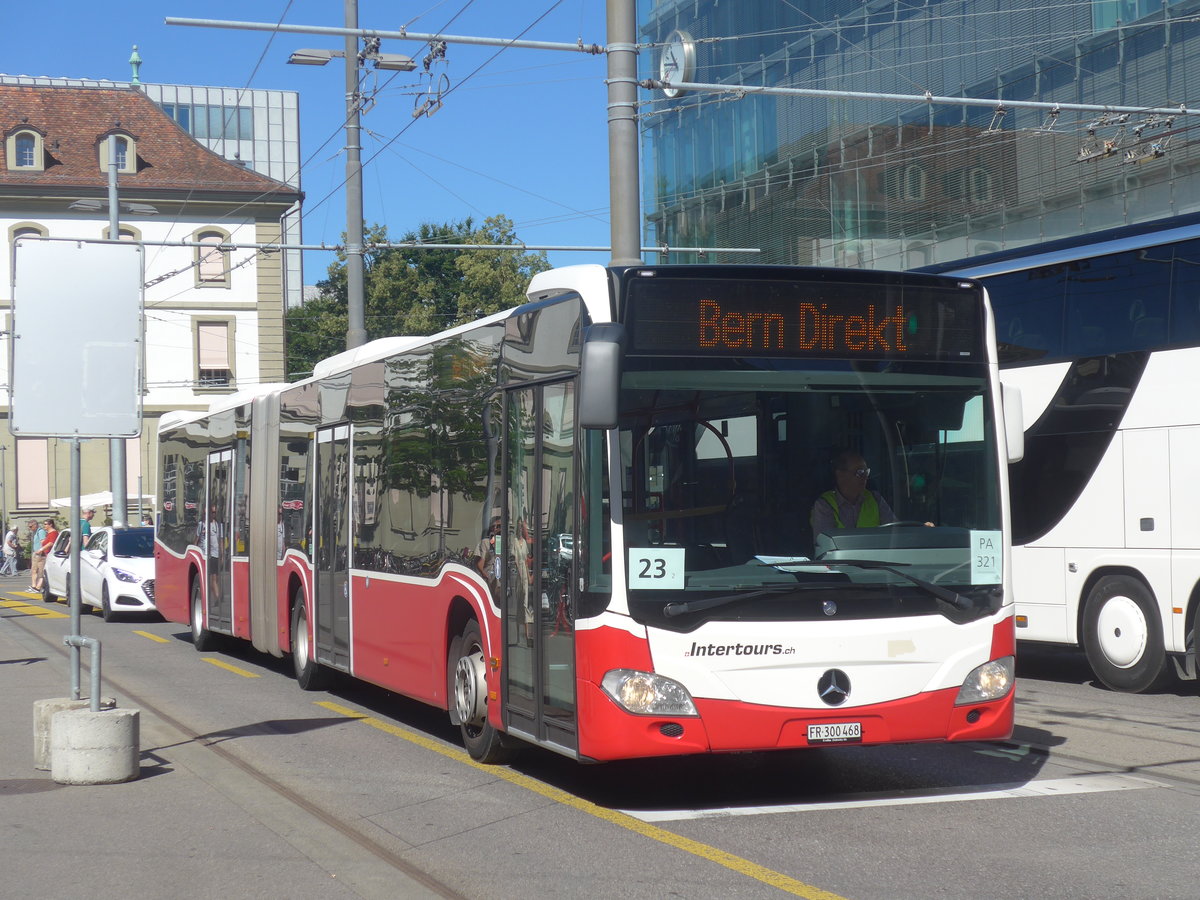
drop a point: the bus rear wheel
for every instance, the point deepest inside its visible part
(310, 674)
(203, 639)
(467, 677)
(1122, 635)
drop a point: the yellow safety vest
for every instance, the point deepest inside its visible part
(868, 513)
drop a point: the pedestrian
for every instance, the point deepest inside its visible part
(9, 565)
(85, 527)
(37, 556)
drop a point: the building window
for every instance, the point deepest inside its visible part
(214, 355)
(26, 229)
(126, 154)
(24, 151)
(212, 262)
(979, 185)
(124, 233)
(914, 183)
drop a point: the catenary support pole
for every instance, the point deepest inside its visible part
(356, 331)
(623, 178)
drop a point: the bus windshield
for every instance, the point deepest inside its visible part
(723, 462)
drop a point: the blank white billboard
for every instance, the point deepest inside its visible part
(76, 339)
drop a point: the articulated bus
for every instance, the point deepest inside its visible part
(1101, 335)
(583, 524)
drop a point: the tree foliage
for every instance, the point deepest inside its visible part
(413, 291)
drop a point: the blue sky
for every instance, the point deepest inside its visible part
(523, 134)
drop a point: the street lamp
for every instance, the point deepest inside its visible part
(392, 62)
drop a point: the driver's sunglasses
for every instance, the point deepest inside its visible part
(860, 473)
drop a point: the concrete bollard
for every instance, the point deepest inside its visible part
(43, 716)
(89, 747)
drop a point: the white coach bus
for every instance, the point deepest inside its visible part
(1101, 334)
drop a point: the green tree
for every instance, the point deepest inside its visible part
(413, 291)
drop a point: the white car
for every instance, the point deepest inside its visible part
(116, 571)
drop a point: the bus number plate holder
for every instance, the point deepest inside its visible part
(835, 733)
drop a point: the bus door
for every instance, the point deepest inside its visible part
(331, 582)
(538, 555)
(215, 539)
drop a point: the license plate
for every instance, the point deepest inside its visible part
(835, 732)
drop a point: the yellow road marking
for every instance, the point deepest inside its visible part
(227, 667)
(42, 612)
(704, 851)
(153, 637)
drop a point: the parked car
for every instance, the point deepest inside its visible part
(116, 571)
(56, 580)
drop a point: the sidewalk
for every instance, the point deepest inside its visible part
(192, 824)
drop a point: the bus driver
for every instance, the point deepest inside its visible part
(850, 504)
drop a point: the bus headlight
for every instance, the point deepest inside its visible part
(991, 681)
(647, 694)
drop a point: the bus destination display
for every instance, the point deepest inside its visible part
(767, 318)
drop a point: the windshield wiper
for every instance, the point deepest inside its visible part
(958, 601)
(678, 609)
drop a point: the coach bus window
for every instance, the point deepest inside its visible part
(1185, 295)
(1029, 314)
(1117, 303)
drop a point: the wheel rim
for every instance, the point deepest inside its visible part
(300, 640)
(469, 676)
(1122, 632)
(197, 614)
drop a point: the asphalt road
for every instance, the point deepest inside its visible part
(1097, 795)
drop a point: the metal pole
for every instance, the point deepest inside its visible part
(420, 37)
(116, 446)
(74, 599)
(3, 485)
(356, 331)
(623, 181)
(654, 84)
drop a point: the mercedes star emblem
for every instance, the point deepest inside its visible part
(834, 687)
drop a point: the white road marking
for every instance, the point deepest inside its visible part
(1051, 787)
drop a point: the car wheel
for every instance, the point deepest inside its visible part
(467, 677)
(1122, 636)
(203, 639)
(310, 674)
(47, 597)
(106, 610)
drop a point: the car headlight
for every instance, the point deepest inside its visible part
(991, 681)
(122, 575)
(647, 694)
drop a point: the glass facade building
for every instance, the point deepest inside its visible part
(880, 182)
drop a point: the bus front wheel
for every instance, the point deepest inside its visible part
(1122, 635)
(467, 676)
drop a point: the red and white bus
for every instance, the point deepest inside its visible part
(585, 523)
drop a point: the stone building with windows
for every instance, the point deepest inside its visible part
(213, 310)
(887, 183)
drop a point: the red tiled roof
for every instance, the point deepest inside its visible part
(73, 121)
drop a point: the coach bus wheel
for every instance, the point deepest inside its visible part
(1122, 636)
(468, 694)
(310, 674)
(203, 639)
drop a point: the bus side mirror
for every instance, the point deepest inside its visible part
(1014, 422)
(600, 375)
